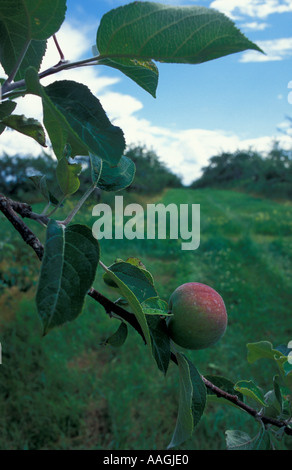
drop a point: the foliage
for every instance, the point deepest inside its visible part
(17, 172)
(130, 39)
(269, 175)
(152, 176)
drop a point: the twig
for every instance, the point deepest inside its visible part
(27, 235)
(7, 206)
(62, 57)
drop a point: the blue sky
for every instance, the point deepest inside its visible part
(239, 101)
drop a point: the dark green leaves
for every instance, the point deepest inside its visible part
(6, 108)
(160, 342)
(74, 116)
(119, 337)
(25, 25)
(56, 124)
(27, 126)
(133, 35)
(85, 115)
(111, 178)
(67, 273)
(77, 124)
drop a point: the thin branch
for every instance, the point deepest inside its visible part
(25, 211)
(27, 235)
(79, 205)
(251, 411)
(64, 65)
(62, 57)
(7, 207)
(110, 307)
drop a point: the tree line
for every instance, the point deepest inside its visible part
(18, 172)
(266, 175)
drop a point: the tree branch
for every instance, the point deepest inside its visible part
(8, 208)
(27, 235)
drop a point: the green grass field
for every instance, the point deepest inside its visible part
(67, 391)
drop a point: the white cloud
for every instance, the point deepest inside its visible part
(275, 50)
(252, 8)
(254, 26)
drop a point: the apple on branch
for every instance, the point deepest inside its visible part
(199, 316)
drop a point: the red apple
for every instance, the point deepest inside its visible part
(199, 316)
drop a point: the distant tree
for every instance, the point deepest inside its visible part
(16, 172)
(269, 175)
(152, 175)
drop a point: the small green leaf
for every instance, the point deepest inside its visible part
(278, 393)
(27, 126)
(40, 182)
(67, 273)
(260, 350)
(160, 342)
(238, 440)
(119, 337)
(249, 389)
(112, 178)
(6, 108)
(155, 306)
(67, 175)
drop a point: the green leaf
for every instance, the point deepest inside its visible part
(60, 132)
(151, 31)
(278, 393)
(143, 72)
(67, 175)
(22, 21)
(238, 440)
(137, 262)
(135, 287)
(112, 178)
(6, 108)
(261, 350)
(86, 116)
(119, 337)
(27, 126)
(33, 57)
(40, 182)
(249, 389)
(67, 273)
(155, 306)
(134, 278)
(192, 401)
(160, 342)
